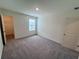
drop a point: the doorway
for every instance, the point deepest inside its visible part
(8, 27)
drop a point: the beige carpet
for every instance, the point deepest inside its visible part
(36, 47)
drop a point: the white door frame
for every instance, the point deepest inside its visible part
(3, 29)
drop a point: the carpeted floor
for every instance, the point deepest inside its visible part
(36, 47)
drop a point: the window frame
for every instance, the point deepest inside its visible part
(35, 24)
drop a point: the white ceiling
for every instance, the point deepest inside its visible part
(65, 7)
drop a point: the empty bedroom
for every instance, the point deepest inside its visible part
(39, 29)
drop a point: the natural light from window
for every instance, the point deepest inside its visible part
(32, 24)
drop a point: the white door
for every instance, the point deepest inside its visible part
(70, 36)
(77, 48)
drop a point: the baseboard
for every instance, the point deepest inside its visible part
(49, 39)
(26, 36)
(58, 43)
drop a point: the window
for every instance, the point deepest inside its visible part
(32, 24)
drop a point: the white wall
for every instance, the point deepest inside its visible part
(1, 45)
(20, 23)
(52, 27)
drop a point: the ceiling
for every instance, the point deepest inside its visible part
(63, 7)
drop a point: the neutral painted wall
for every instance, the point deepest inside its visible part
(1, 45)
(52, 27)
(20, 21)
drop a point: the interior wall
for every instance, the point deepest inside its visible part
(52, 27)
(1, 44)
(20, 21)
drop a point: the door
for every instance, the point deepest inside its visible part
(8, 27)
(70, 36)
